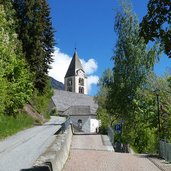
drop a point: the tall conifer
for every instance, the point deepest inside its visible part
(36, 33)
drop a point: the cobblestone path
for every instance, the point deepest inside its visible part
(89, 153)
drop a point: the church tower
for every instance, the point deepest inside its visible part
(75, 78)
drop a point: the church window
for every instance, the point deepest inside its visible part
(69, 82)
(81, 81)
(69, 89)
(81, 90)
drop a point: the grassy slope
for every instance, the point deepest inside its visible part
(10, 125)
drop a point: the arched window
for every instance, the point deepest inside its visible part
(81, 81)
(81, 90)
(79, 123)
(69, 82)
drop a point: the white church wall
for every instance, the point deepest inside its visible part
(76, 84)
(85, 87)
(94, 124)
(85, 122)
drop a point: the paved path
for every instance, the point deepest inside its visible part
(21, 150)
(88, 154)
(91, 142)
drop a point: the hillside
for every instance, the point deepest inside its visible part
(56, 84)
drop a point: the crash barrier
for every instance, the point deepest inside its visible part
(165, 150)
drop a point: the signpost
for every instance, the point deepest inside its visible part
(118, 128)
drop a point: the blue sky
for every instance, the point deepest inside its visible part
(88, 26)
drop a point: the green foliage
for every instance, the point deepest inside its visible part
(101, 98)
(104, 117)
(10, 125)
(156, 24)
(36, 33)
(41, 101)
(54, 112)
(16, 80)
(126, 94)
(144, 131)
(132, 62)
(3, 94)
(15, 85)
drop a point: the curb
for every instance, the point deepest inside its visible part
(156, 164)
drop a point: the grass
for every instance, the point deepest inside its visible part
(134, 149)
(10, 125)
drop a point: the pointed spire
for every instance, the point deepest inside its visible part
(74, 65)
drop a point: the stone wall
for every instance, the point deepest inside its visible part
(57, 154)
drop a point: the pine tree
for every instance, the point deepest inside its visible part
(37, 36)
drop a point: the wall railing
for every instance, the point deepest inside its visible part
(165, 150)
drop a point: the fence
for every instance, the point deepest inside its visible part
(110, 133)
(165, 150)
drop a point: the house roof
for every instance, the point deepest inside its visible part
(77, 111)
(75, 64)
(65, 99)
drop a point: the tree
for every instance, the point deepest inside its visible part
(146, 110)
(101, 98)
(36, 33)
(156, 24)
(132, 62)
(15, 79)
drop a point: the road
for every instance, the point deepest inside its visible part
(21, 150)
(88, 154)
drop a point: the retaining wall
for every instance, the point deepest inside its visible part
(56, 155)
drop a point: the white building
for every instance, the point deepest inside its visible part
(75, 78)
(74, 101)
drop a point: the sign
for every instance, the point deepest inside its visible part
(118, 128)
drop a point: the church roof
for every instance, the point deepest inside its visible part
(65, 99)
(74, 65)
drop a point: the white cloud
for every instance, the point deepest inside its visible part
(92, 79)
(61, 63)
(90, 66)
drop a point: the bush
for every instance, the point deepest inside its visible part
(54, 112)
(41, 100)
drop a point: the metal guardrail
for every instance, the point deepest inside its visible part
(165, 150)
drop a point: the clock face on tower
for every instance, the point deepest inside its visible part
(80, 73)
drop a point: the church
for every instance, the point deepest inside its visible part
(75, 78)
(73, 101)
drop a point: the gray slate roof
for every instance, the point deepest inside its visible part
(74, 65)
(77, 111)
(65, 99)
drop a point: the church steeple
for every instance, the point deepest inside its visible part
(74, 65)
(75, 78)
